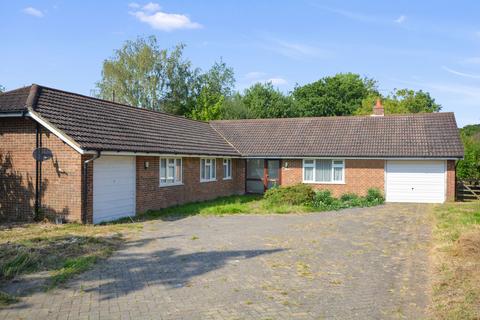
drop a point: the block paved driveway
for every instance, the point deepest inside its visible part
(366, 263)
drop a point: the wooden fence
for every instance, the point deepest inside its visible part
(468, 190)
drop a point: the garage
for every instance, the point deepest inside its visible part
(415, 181)
(113, 188)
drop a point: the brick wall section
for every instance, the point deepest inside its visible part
(451, 183)
(61, 175)
(360, 175)
(150, 196)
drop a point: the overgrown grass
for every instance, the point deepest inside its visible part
(63, 250)
(6, 299)
(456, 261)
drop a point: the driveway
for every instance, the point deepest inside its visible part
(351, 264)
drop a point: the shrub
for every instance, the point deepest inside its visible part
(300, 194)
(323, 199)
(374, 196)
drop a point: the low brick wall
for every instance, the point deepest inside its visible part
(150, 196)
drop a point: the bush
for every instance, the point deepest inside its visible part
(300, 194)
(323, 199)
(374, 196)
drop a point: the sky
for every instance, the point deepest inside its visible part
(428, 45)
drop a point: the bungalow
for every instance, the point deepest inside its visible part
(92, 160)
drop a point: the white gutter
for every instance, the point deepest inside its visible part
(11, 115)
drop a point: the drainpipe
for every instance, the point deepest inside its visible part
(38, 171)
(85, 185)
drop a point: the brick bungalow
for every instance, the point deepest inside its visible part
(104, 160)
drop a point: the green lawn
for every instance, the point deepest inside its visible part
(456, 261)
(240, 204)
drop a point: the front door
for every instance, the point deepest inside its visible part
(272, 178)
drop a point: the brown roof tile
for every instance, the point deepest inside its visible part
(414, 135)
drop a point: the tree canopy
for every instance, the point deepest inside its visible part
(469, 167)
(142, 74)
(338, 95)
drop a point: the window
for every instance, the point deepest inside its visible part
(170, 171)
(323, 171)
(227, 169)
(207, 170)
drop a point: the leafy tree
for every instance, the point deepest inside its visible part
(143, 75)
(401, 101)
(2, 88)
(262, 100)
(341, 94)
(469, 167)
(214, 86)
(233, 107)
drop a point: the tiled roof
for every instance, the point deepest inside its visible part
(97, 124)
(15, 100)
(402, 136)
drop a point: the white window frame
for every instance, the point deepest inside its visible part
(176, 180)
(212, 163)
(227, 164)
(334, 165)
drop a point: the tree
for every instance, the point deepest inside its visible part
(233, 107)
(402, 101)
(341, 94)
(2, 88)
(262, 100)
(469, 167)
(214, 86)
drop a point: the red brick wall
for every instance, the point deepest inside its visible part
(151, 196)
(61, 175)
(360, 175)
(450, 180)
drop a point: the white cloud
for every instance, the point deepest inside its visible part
(152, 15)
(277, 81)
(151, 7)
(33, 12)
(401, 19)
(134, 5)
(461, 74)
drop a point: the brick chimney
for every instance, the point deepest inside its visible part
(378, 110)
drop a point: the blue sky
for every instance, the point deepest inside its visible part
(429, 45)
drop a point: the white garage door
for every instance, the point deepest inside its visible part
(415, 181)
(113, 188)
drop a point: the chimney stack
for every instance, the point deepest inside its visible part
(378, 110)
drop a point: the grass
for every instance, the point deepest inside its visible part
(456, 261)
(62, 250)
(238, 204)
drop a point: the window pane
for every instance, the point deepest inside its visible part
(255, 169)
(214, 169)
(308, 174)
(207, 172)
(308, 162)
(230, 168)
(225, 170)
(163, 168)
(337, 174)
(323, 170)
(178, 173)
(171, 172)
(202, 169)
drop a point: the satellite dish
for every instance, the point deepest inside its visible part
(42, 154)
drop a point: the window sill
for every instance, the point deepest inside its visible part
(227, 178)
(212, 180)
(315, 182)
(171, 185)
